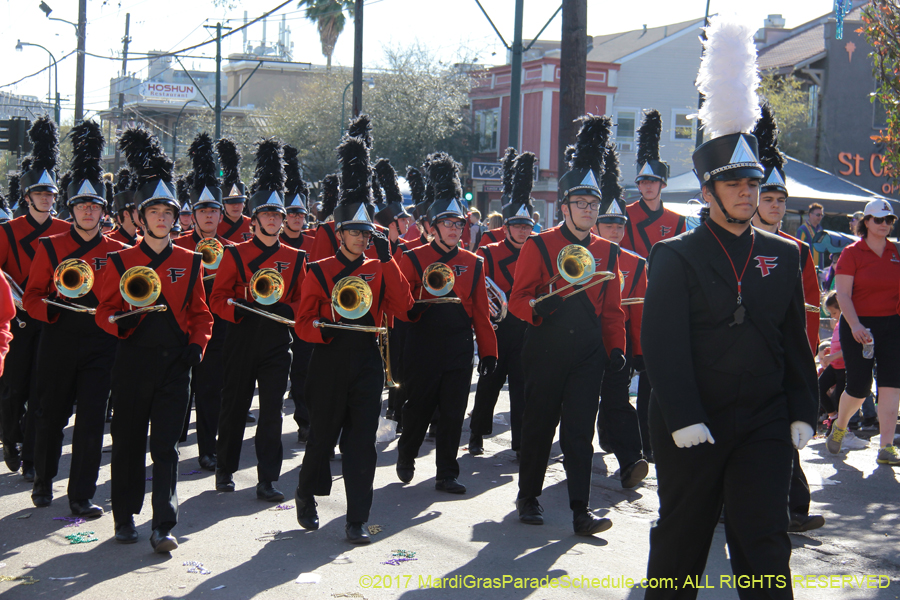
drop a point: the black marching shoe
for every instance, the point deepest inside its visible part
(208, 462)
(11, 457)
(42, 494)
(634, 473)
(405, 470)
(224, 481)
(307, 516)
(126, 532)
(530, 511)
(28, 472)
(449, 485)
(356, 533)
(586, 523)
(266, 491)
(85, 509)
(476, 445)
(162, 541)
(800, 522)
(303, 434)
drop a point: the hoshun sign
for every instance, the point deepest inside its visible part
(160, 90)
(868, 171)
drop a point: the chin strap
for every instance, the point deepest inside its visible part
(148, 232)
(34, 207)
(761, 220)
(289, 228)
(265, 231)
(728, 217)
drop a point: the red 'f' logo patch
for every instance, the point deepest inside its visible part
(664, 231)
(766, 264)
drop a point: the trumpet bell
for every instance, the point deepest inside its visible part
(212, 250)
(438, 279)
(351, 297)
(73, 278)
(140, 286)
(575, 263)
(267, 286)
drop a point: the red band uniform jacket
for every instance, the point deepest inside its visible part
(492, 236)
(18, 245)
(304, 241)
(120, 235)
(189, 241)
(326, 243)
(645, 227)
(634, 285)
(235, 231)
(812, 295)
(187, 320)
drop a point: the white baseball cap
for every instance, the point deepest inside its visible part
(878, 208)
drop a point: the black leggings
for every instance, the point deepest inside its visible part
(886, 333)
(831, 377)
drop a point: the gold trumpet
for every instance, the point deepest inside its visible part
(577, 266)
(496, 301)
(385, 345)
(630, 301)
(811, 308)
(351, 298)
(73, 278)
(140, 286)
(438, 280)
(266, 288)
(212, 250)
(17, 294)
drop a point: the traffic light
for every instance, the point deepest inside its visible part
(14, 135)
(469, 196)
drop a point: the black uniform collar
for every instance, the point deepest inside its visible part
(156, 259)
(342, 258)
(570, 237)
(652, 213)
(270, 249)
(727, 238)
(83, 243)
(35, 225)
(230, 222)
(442, 256)
(513, 249)
(132, 239)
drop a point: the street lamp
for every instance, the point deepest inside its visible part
(80, 33)
(370, 81)
(47, 10)
(19, 46)
(175, 131)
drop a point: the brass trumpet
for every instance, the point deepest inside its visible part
(212, 250)
(140, 286)
(385, 346)
(351, 298)
(17, 294)
(73, 278)
(630, 301)
(266, 288)
(496, 301)
(577, 267)
(438, 280)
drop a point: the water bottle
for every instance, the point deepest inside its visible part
(869, 349)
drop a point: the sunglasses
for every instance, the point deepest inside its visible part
(889, 219)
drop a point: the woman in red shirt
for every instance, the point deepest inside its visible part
(868, 288)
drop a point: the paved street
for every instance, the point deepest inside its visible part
(254, 550)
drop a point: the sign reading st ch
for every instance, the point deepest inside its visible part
(860, 166)
(160, 90)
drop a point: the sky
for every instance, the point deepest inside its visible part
(449, 29)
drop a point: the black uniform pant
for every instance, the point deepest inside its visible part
(302, 352)
(643, 407)
(17, 413)
(617, 417)
(750, 472)
(208, 380)
(345, 395)
(72, 368)
(798, 497)
(562, 387)
(397, 395)
(256, 355)
(151, 386)
(510, 335)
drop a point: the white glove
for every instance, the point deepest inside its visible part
(801, 433)
(693, 435)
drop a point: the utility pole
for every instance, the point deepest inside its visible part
(79, 74)
(515, 92)
(125, 41)
(218, 108)
(357, 57)
(572, 73)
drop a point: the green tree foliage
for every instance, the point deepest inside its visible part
(328, 15)
(790, 102)
(881, 26)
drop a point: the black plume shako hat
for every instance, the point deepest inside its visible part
(728, 79)
(61, 210)
(393, 208)
(204, 189)
(355, 209)
(14, 196)
(766, 132)
(649, 167)
(416, 182)
(5, 212)
(233, 189)
(296, 192)
(268, 179)
(331, 189)
(586, 163)
(612, 205)
(123, 198)
(444, 174)
(520, 208)
(150, 167)
(183, 193)
(87, 183)
(40, 173)
(506, 164)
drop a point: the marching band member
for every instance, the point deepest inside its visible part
(440, 345)
(235, 225)
(183, 187)
(124, 210)
(500, 260)
(39, 189)
(492, 236)
(346, 393)
(617, 418)
(723, 337)
(207, 378)
(570, 337)
(75, 357)
(413, 238)
(257, 348)
(163, 345)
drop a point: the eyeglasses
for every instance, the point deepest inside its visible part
(585, 205)
(889, 219)
(357, 233)
(87, 207)
(452, 224)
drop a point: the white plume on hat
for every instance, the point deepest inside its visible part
(728, 78)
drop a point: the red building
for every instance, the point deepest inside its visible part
(539, 125)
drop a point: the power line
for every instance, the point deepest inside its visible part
(39, 72)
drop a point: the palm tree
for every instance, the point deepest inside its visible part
(329, 18)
